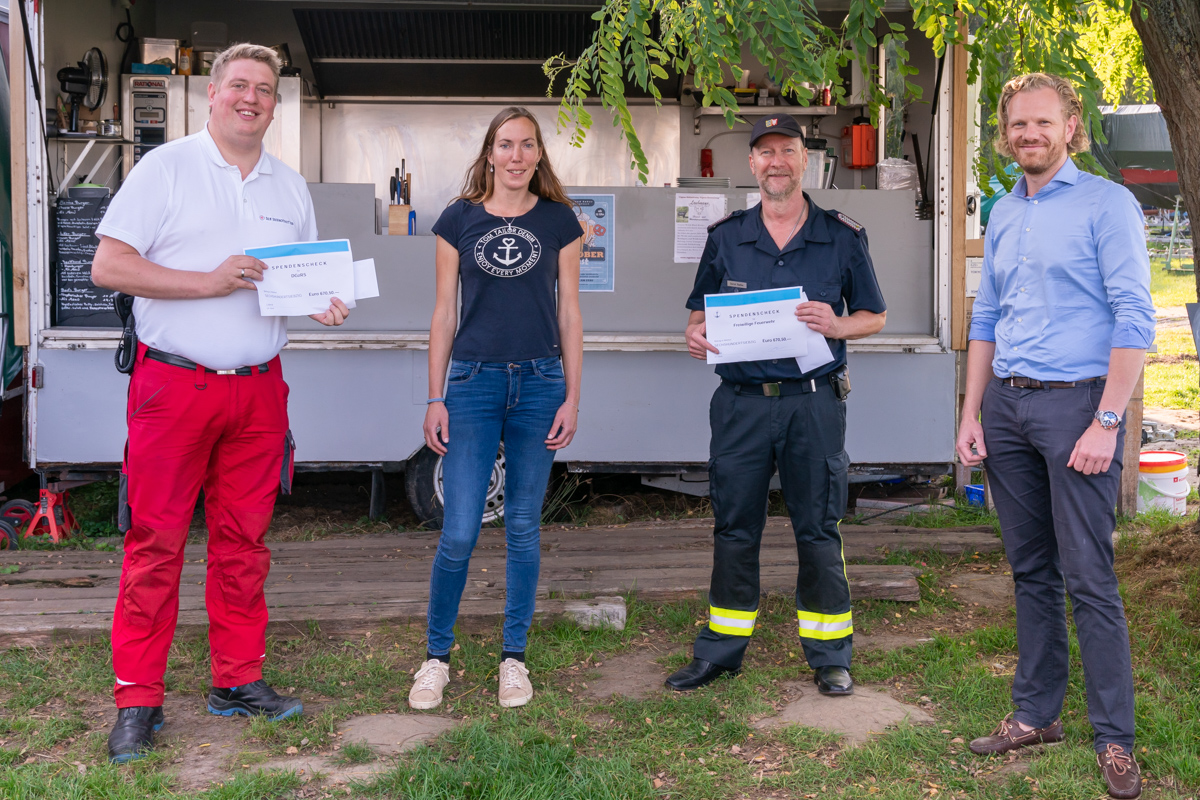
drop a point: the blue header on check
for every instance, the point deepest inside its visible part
(300, 249)
(746, 298)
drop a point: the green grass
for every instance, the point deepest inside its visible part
(1171, 289)
(566, 744)
(354, 753)
(1173, 373)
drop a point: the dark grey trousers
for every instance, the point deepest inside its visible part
(1057, 525)
(804, 437)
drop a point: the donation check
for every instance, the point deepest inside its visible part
(303, 277)
(755, 326)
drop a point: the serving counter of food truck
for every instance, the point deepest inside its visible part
(358, 391)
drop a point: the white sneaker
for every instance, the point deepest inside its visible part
(515, 688)
(428, 683)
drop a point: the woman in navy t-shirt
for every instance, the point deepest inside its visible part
(512, 241)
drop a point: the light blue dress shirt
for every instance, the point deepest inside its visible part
(1066, 278)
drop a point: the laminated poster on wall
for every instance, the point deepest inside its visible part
(693, 214)
(596, 213)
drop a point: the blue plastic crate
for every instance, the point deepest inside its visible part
(974, 494)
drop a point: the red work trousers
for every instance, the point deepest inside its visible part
(187, 429)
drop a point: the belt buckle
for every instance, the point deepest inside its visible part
(770, 389)
(226, 371)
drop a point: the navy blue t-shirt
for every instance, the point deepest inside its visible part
(509, 270)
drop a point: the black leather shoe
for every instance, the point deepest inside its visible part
(833, 681)
(253, 700)
(698, 673)
(133, 735)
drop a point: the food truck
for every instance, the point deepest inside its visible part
(368, 87)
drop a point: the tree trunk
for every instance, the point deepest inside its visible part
(1171, 40)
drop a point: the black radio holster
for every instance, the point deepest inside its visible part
(127, 347)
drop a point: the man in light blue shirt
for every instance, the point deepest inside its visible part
(1059, 332)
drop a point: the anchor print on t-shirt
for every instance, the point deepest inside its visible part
(507, 251)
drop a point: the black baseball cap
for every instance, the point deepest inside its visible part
(776, 123)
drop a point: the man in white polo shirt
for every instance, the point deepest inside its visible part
(207, 401)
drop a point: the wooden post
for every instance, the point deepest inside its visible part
(1127, 501)
(20, 203)
(959, 120)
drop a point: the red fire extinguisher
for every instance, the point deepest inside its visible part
(858, 144)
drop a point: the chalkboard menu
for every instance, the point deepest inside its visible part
(78, 303)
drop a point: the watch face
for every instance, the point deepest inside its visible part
(1108, 419)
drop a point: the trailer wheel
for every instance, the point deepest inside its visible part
(10, 539)
(18, 514)
(423, 485)
(21, 509)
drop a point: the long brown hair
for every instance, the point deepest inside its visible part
(480, 181)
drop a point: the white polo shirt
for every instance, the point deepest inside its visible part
(184, 207)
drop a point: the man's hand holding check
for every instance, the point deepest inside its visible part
(240, 272)
(817, 315)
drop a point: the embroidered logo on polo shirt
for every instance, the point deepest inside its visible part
(507, 252)
(265, 218)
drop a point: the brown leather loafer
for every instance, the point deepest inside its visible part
(1009, 736)
(1121, 772)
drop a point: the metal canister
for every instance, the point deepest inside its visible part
(110, 127)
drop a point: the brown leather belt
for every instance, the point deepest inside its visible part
(1020, 382)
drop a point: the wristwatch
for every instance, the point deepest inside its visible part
(1107, 419)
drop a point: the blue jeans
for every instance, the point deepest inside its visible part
(488, 402)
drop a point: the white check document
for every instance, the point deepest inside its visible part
(755, 326)
(303, 277)
(818, 354)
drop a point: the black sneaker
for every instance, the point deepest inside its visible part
(133, 735)
(253, 700)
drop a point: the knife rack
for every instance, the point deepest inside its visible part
(398, 220)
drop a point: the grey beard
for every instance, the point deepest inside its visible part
(785, 194)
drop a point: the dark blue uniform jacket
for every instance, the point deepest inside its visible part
(828, 258)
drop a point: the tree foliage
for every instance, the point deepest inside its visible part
(1114, 49)
(639, 40)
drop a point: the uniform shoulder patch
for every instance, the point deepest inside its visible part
(849, 223)
(735, 213)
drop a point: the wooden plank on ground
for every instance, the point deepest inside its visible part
(371, 580)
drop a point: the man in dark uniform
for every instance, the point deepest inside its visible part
(768, 415)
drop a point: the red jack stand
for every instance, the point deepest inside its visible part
(52, 512)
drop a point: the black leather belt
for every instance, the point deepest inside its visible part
(180, 361)
(780, 388)
(1020, 382)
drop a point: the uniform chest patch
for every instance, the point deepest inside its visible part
(849, 223)
(507, 252)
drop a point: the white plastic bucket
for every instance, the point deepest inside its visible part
(1162, 481)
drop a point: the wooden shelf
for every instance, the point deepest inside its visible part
(766, 111)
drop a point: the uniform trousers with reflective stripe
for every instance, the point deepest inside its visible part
(1057, 525)
(229, 434)
(803, 436)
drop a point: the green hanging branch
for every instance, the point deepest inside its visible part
(638, 41)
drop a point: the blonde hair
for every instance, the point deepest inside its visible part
(245, 52)
(1071, 107)
(480, 181)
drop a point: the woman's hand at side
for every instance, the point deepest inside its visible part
(441, 341)
(570, 334)
(566, 421)
(437, 428)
